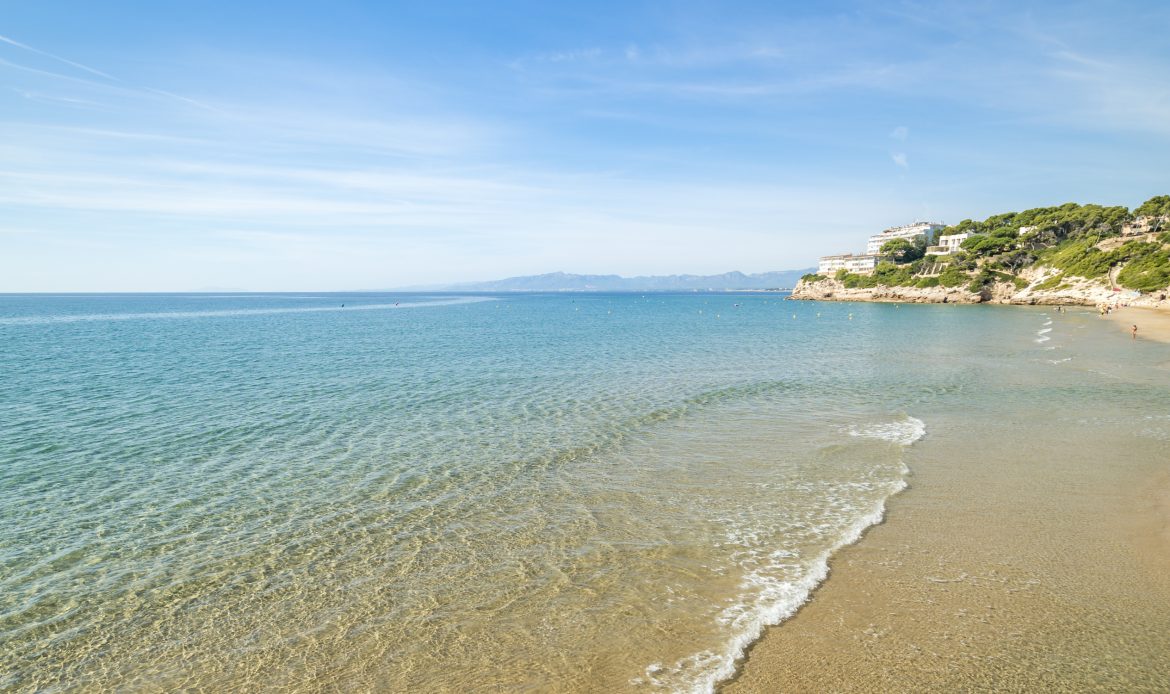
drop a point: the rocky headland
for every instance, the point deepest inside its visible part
(1072, 291)
(1083, 255)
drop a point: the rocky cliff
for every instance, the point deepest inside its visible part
(1070, 291)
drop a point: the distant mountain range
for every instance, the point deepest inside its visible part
(565, 282)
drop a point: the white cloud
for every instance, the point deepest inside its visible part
(570, 56)
(900, 159)
(900, 133)
(58, 58)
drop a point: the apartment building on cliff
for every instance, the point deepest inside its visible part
(864, 263)
(910, 232)
(857, 264)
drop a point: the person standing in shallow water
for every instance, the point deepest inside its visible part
(1133, 331)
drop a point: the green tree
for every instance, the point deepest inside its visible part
(905, 250)
(952, 276)
(1156, 206)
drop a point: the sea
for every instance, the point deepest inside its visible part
(444, 492)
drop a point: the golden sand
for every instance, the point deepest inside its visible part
(1152, 324)
(1034, 556)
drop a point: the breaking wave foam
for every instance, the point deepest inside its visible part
(774, 600)
(904, 432)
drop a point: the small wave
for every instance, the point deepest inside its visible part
(778, 599)
(75, 318)
(903, 432)
(1042, 339)
(1043, 331)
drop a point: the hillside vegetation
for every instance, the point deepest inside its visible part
(1081, 241)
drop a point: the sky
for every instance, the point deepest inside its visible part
(285, 146)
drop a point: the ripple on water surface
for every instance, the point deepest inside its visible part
(566, 493)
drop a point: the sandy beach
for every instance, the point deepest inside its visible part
(1016, 561)
(1152, 324)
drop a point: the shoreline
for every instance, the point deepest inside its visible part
(1153, 323)
(1078, 292)
(1032, 582)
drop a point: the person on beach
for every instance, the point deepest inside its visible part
(1133, 331)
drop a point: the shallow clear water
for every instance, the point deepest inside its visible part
(416, 492)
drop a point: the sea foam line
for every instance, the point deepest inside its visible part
(782, 599)
(904, 432)
(42, 320)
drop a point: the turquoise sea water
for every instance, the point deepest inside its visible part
(439, 492)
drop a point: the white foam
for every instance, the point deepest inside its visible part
(1045, 330)
(776, 600)
(773, 599)
(1042, 339)
(904, 432)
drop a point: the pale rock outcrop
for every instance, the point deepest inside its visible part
(834, 290)
(1068, 291)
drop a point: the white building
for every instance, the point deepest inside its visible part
(909, 232)
(857, 264)
(862, 264)
(949, 243)
(830, 264)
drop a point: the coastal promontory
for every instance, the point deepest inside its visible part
(1071, 255)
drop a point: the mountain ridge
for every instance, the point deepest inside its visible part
(563, 281)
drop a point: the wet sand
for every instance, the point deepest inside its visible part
(1031, 556)
(1152, 324)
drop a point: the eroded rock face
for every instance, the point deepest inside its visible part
(1069, 291)
(833, 290)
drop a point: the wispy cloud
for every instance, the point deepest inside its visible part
(570, 56)
(184, 99)
(55, 99)
(689, 138)
(58, 58)
(111, 82)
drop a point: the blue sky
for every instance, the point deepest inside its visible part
(345, 145)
